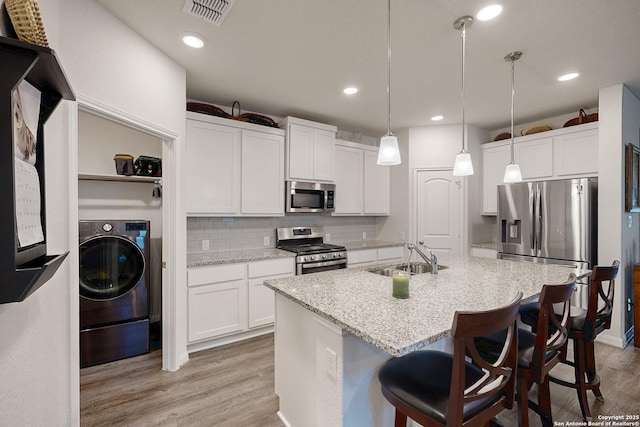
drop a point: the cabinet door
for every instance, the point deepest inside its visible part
(217, 309)
(261, 298)
(494, 162)
(377, 185)
(323, 155)
(390, 254)
(262, 173)
(349, 191)
(300, 152)
(212, 169)
(535, 158)
(576, 153)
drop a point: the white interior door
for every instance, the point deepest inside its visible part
(438, 211)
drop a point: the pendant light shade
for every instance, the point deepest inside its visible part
(389, 152)
(512, 172)
(463, 165)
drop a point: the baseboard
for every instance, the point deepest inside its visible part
(229, 339)
(283, 419)
(611, 340)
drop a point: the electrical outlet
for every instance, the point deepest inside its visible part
(205, 245)
(630, 221)
(267, 240)
(328, 237)
(402, 236)
(332, 363)
(364, 235)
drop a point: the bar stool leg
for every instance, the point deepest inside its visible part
(523, 402)
(579, 350)
(592, 376)
(544, 402)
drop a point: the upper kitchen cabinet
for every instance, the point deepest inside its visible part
(233, 168)
(362, 186)
(310, 149)
(561, 153)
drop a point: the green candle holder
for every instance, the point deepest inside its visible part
(401, 284)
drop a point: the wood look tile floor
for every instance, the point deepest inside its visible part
(234, 386)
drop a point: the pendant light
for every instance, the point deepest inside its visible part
(389, 153)
(512, 172)
(463, 165)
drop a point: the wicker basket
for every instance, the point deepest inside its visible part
(26, 20)
(582, 118)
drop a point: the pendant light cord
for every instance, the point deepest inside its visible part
(513, 91)
(464, 43)
(389, 67)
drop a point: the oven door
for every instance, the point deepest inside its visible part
(316, 267)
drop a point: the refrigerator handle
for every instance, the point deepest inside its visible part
(532, 208)
(538, 220)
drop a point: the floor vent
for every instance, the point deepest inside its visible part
(212, 11)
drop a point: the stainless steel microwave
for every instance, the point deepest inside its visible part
(309, 197)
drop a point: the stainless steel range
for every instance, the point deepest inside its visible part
(312, 254)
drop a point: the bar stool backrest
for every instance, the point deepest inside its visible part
(500, 375)
(600, 303)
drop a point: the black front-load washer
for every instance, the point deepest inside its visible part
(114, 290)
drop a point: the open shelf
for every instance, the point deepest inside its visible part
(120, 178)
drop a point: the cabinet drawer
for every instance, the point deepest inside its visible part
(223, 273)
(362, 256)
(390, 253)
(271, 267)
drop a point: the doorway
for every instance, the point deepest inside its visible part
(438, 212)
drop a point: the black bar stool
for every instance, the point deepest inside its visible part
(441, 389)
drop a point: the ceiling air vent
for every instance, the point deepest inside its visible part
(212, 11)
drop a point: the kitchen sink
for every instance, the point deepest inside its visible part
(412, 268)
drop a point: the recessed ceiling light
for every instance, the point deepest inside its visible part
(568, 76)
(193, 40)
(489, 12)
(436, 118)
(350, 90)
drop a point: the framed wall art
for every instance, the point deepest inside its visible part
(632, 178)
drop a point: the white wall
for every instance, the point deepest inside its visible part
(37, 384)
(619, 116)
(111, 65)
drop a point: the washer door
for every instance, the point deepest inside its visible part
(110, 266)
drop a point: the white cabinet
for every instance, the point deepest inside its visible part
(534, 158)
(364, 257)
(557, 154)
(261, 298)
(362, 186)
(309, 152)
(217, 301)
(228, 303)
(494, 161)
(484, 252)
(233, 168)
(349, 181)
(212, 168)
(262, 180)
(576, 153)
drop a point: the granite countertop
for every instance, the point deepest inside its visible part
(228, 257)
(360, 302)
(368, 244)
(485, 245)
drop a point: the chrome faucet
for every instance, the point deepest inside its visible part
(432, 261)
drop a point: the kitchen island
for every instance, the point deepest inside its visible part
(335, 329)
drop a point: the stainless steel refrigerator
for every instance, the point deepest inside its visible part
(553, 222)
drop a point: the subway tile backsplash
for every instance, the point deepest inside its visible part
(238, 233)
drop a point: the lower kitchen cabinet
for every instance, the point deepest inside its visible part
(229, 303)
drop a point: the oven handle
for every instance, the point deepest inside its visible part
(325, 263)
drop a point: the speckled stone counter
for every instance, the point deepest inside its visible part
(485, 245)
(368, 244)
(360, 302)
(227, 257)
